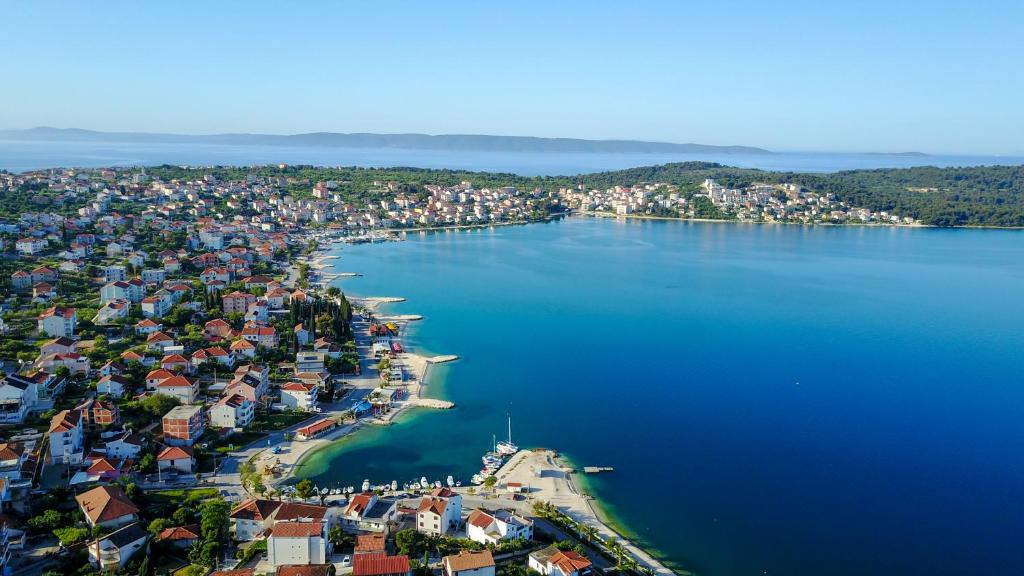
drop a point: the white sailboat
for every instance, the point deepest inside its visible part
(506, 447)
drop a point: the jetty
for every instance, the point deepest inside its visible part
(597, 469)
(442, 358)
(432, 403)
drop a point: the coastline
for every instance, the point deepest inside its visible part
(567, 495)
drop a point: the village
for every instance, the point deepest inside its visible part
(172, 350)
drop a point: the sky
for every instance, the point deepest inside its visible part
(943, 76)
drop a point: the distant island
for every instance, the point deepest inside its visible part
(459, 142)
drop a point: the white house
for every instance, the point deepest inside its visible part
(176, 458)
(116, 549)
(553, 562)
(113, 385)
(234, 412)
(123, 445)
(491, 527)
(66, 437)
(183, 388)
(58, 321)
(297, 543)
(366, 511)
(299, 395)
(18, 396)
(468, 563)
(439, 513)
(30, 246)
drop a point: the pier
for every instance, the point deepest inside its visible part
(597, 469)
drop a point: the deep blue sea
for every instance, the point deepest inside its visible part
(775, 400)
(20, 156)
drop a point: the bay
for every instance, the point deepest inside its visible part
(774, 399)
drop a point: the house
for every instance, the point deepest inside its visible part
(215, 353)
(112, 368)
(439, 513)
(43, 292)
(469, 563)
(301, 334)
(183, 388)
(306, 361)
(18, 396)
(366, 511)
(123, 445)
(111, 312)
(30, 246)
(297, 543)
(183, 425)
(44, 274)
(107, 506)
(157, 305)
(75, 363)
(115, 273)
(553, 562)
(98, 413)
(66, 439)
(233, 412)
(380, 565)
(243, 348)
(180, 536)
(176, 458)
(60, 345)
(99, 468)
(176, 363)
(153, 275)
(237, 302)
(155, 377)
(261, 336)
(116, 290)
(257, 281)
(159, 341)
(148, 326)
(113, 385)
(58, 321)
(488, 527)
(299, 395)
(235, 572)
(217, 329)
(253, 517)
(21, 280)
(116, 549)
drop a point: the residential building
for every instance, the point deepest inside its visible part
(469, 563)
(297, 543)
(488, 527)
(183, 425)
(18, 396)
(367, 511)
(107, 506)
(380, 565)
(233, 411)
(66, 437)
(553, 562)
(98, 413)
(58, 321)
(300, 395)
(116, 549)
(176, 458)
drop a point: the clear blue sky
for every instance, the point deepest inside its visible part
(938, 76)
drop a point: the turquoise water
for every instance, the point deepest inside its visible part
(774, 399)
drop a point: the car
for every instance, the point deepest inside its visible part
(346, 561)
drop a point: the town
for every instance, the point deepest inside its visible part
(171, 350)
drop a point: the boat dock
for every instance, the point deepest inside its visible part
(597, 469)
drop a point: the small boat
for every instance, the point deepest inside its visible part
(506, 447)
(424, 482)
(458, 484)
(437, 484)
(451, 481)
(394, 485)
(366, 485)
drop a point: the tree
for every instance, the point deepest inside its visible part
(490, 481)
(304, 489)
(46, 521)
(157, 526)
(159, 404)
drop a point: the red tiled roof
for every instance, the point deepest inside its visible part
(379, 565)
(296, 529)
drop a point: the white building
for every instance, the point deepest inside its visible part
(488, 527)
(297, 543)
(58, 321)
(299, 395)
(233, 411)
(116, 549)
(66, 437)
(467, 563)
(439, 513)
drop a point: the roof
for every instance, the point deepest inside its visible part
(176, 382)
(190, 532)
(435, 505)
(296, 511)
(175, 453)
(480, 519)
(65, 421)
(317, 427)
(125, 536)
(296, 529)
(467, 560)
(569, 561)
(237, 572)
(370, 543)
(254, 509)
(359, 503)
(105, 503)
(379, 564)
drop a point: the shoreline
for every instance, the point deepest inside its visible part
(583, 508)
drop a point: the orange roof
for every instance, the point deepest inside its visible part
(480, 519)
(175, 453)
(467, 560)
(431, 504)
(569, 561)
(64, 421)
(370, 543)
(296, 529)
(190, 532)
(236, 572)
(253, 509)
(105, 503)
(379, 565)
(316, 427)
(304, 570)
